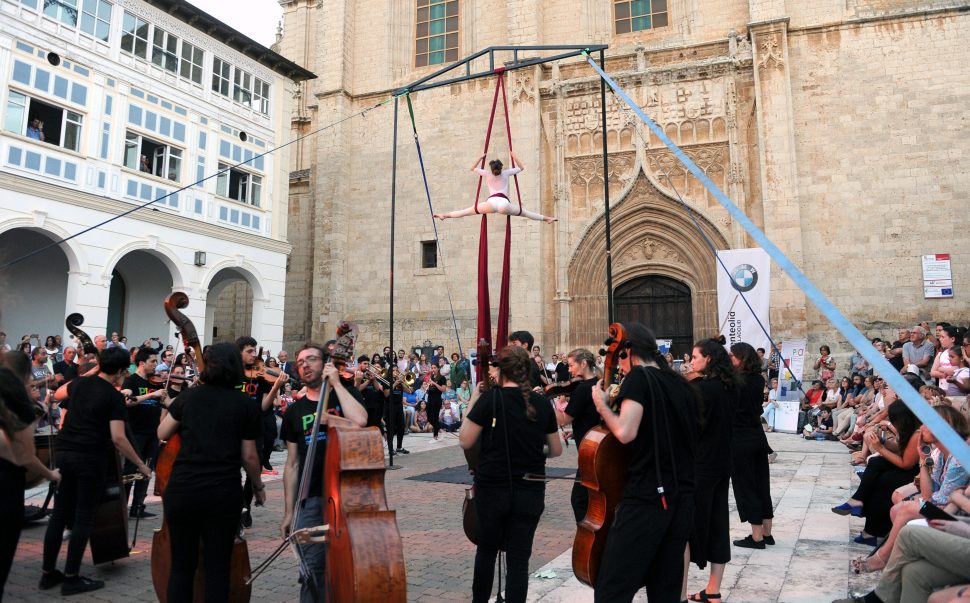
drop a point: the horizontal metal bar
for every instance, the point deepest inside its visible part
(422, 83)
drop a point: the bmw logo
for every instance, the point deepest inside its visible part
(744, 277)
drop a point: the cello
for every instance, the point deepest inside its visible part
(603, 469)
(161, 558)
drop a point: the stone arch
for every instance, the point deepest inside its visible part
(76, 259)
(247, 271)
(151, 246)
(651, 234)
(234, 301)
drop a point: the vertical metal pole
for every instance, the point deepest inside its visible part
(390, 400)
(606, 197)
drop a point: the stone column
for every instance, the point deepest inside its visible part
(778, 172)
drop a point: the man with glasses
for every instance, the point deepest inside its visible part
(314, 367)
(895, 353)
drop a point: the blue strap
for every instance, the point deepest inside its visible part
(940, 428)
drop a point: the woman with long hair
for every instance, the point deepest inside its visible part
(749, 452)
(884, 473)
(581, 414)
(718, 387)
(516, 430)
(497, 180)
(218, 427)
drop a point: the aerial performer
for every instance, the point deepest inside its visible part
(498, 202)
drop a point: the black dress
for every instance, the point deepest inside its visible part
(749, 453)
(710, 540)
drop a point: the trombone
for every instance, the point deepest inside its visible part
(376, 374)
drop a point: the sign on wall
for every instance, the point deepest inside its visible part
(749, 271)
(937, 276)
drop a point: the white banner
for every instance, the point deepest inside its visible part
(749, 274)
(789, 396)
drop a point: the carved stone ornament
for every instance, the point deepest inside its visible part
(523, 87)
(649, 252)
(771, 55)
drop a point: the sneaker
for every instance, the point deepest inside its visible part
(402, 451)
(80, 584)
(246, 519)
(772, 457)
(270, 472)
(50, 579)
(770, 540)
(749, 543)
(847, 509)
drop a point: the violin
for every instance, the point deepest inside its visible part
(563, 388)
(161, 557)
(603, 469)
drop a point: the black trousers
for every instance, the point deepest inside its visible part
(876, 490)
(394, 420)
(710, 538)
(77, 498)
(434, 409)
(268, 423)
(645, 547)
(751, 481)
(579, 498)
(146, 445)
(506, 517)
(12, 512)
(210, 517)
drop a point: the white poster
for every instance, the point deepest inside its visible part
(789, 396)
(749, 274)
(937, 276)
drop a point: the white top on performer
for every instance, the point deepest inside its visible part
(497, 202)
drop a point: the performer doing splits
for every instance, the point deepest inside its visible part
(646, 543)
(498, 202)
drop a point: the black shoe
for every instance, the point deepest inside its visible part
(770, 540)
(80, 584)
(402, 451)
(140, 513)
(50, 579)
(247, 519)
(749, 543)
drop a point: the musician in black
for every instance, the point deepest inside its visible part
(144, 401)
(581, 413)
(312, 362)
(516, 429)
(261, 394)
(371, 390)
(436, 384)
(394, 417)
(218, 428)
(657, 419)
(524, 340)
(93, 428)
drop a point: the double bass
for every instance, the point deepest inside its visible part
(161, 560)
(603, 469)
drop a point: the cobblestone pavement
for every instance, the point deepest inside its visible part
(813, 549)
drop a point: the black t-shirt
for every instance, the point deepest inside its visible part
(535, 375)
(673, 404)
(525, 438)
(143, 417)
(255, 389)
(718, 407)
(582, 409)
(434, 394)
(68, 371)
(213, 422)
(298, 426)
(12, 476)
(897, 361)
(372, 397)
(93, 404)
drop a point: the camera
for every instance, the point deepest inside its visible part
(925, 450)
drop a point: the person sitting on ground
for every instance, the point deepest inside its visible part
(938, 480)
(421, 423)
(884, 473)
(497, 180)
(823, 429)
(856, 403)
(770, 405)
(450, 416)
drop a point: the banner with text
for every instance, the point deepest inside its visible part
(788, 394)
(749, 274)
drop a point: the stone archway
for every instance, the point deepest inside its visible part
(651, 235)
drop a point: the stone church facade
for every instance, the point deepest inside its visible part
(838, 126)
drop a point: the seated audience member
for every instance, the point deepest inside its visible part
(823, 429)
(856, 403)
(884, 473)
(770, 406)
(938, 479)
(450, 416)
(421, 423)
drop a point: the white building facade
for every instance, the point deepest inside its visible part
(109, 106)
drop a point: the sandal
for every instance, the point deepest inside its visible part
(704, 596)
(866, 565)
